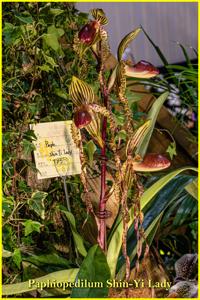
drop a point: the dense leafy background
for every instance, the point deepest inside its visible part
(38, 62)
(39, 235)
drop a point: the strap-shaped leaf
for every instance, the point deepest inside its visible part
(34, 284)
(126, 40)
(80, 92)
(115, 243)
(152, 116)
(99, 15)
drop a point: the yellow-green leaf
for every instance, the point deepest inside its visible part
(63, 276)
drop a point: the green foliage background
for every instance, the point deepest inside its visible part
(38, 62)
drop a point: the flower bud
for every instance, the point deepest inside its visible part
(82, 117)
(88, 32)
(142, 69)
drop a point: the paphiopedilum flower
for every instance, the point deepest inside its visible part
(142, 69)
(152, 162)
(89, 32)
(82, 117)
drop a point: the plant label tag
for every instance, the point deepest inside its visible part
(55, 151)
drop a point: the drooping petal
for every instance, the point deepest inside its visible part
(152, 162)
(142, 69)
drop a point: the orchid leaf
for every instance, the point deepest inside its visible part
(154, 208)
(192, 189)
(115, 243)
(22, 287)
(159, 52)
(77, 237)
(93, 269)
(152, 116)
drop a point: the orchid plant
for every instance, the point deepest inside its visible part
(94, 114)
(113, 154)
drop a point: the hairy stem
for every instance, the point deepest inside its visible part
(102, 202)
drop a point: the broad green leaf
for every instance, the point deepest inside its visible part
(90, 148)
(11, 34)
(157, 207)
(31, 226)
(36, 283)
(192, 189)
(52, 36)
(156, 187)
(25, 17)
(17, 258)
(93, 269)
(51, 40)
(58, 32)
(116, 239)
(184, 210)
(152, 116)
(28, 146)
(47, 259)
(125, 41)
(77, 237)
(36, 203)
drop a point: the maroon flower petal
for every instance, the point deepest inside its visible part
(144, 65)
(88, 32)
(82, 117)
(142, 69)
(152, 162)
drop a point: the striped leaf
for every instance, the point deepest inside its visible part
(126, 40)
(80, 92)
(115, 240)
